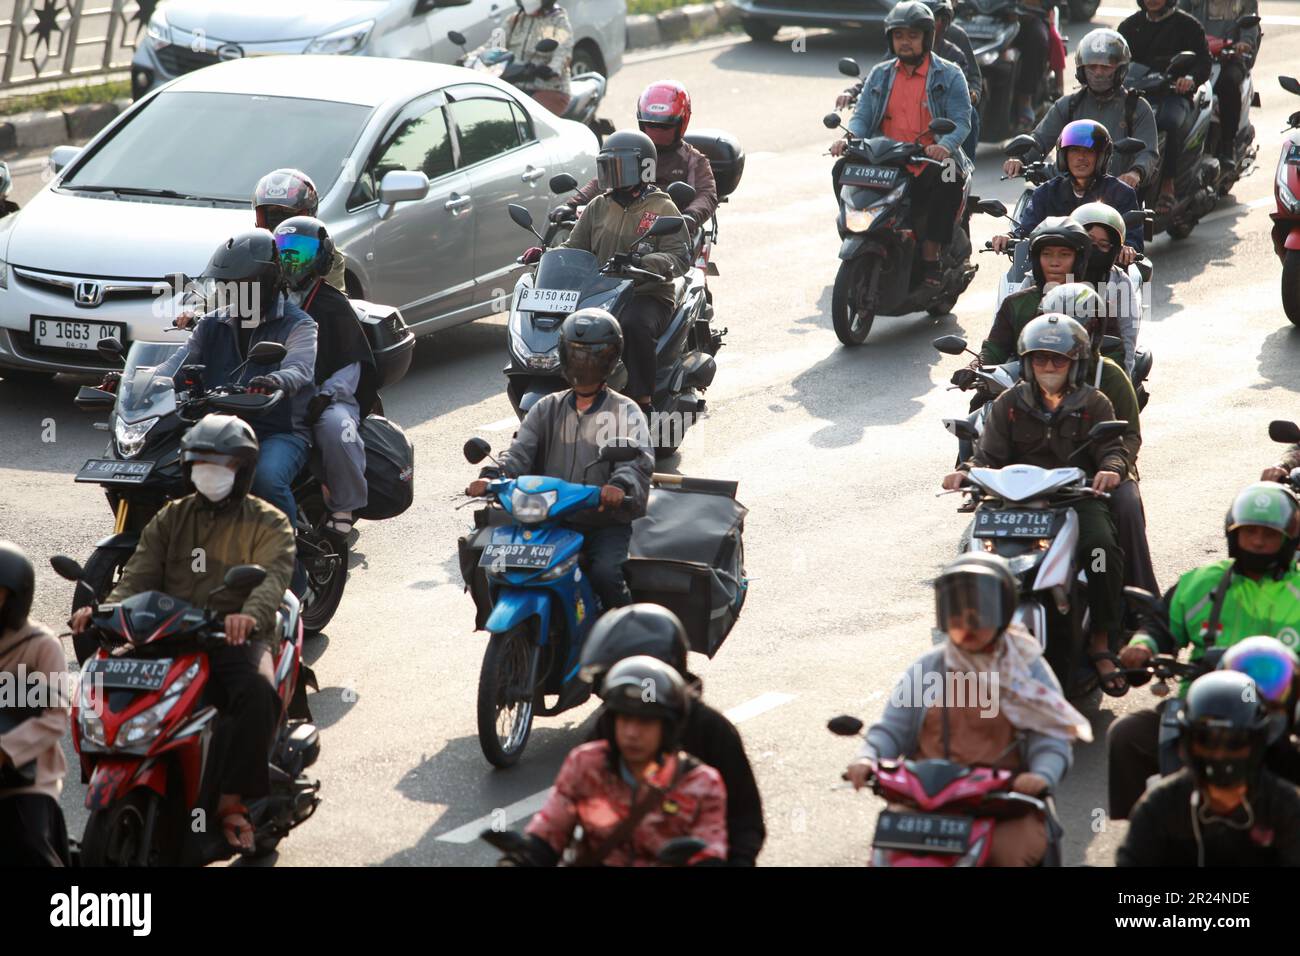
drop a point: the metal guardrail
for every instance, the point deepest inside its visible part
(48, 40)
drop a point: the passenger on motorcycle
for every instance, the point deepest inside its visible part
(533, 22)
(609, 227)
(901, 96)
(7, 205)
(226, 526)
(1031, 729)
(1101, 62)
(283, 194)
(1225, 808)
(345, 373)
(663, 112)
(1120, 298)
(633, 790)
(1155, 34)
(32, 767)
(1219, 17)
(563, 433)
(654, 631)
(1044, 421)
(1275, 669)
(1253, 592)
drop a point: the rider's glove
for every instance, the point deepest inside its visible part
(532, 255)
(262, 383)
(964, 378)
(563, 213)
(109, 384)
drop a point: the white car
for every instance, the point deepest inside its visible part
(185, 35)
(415, 164)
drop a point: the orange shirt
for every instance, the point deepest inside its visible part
(906, 114)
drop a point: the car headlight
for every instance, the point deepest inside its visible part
(345, 40)
(860, 220)
(130, 438)
(158, 31)
(4, 274)
(529, 508)
(1283, 191)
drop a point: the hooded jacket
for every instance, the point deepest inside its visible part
(35, 649)
(683, 163)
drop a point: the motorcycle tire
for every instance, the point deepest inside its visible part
(102, 570)
(324, 585)
(1180, 230)
(505, 661)
(942, 306)
(763, 31)
(851, 326)
(1291, 286)
(113, 834)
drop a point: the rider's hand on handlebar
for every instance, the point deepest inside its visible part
(1127, 254)
(532, 255)
(477, 488)
(1000, 243)
(858, 772)
(845, 99)
(964, 378)
(1134, 656)
(838, 147)
(1013, 167)
(1274, 473)
(1105, 481)
(1183, 84)
(954, 480)
(1030, 783)
(262, 385)
(1132, 177)
(611, 496)
(109, 384)
(80, 619)
(937, 152)
(563, 213)
(185, 320)
(1244, 47)
(239, 628)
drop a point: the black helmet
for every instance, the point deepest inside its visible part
(1265, 504)
(1102, 47)
(249, 258)
(914, 15)
(281, 194)
(643, 686)
(940, 8)
(223, 439)
(1058, 334)
(306, 251)
(637, 629)
(626, 159)
(1059, 231)
(591, 343)
(980, 582)
(19, 577)
(1085, 134)
(1225, 710)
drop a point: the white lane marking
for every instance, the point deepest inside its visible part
(1271, 20)
(529, 805)
(500, 425)
(683, 49)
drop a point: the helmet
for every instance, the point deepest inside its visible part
(983, 583)
(1224, 709)
(663, 112)
(222, 439)
(643, 686)
(281, 194)
(19, 577)
(637, 629)
(1087, 134)
(1080, 302)
(535, 6)
(249, 258)
(1102, 47)
(1058, 334)
(6, 180)
(591, 343)
(1265, 504)
(1164, 11)
(306, 251)
(1108, 217)
(1272, 665)
(912, 14)
(1059, 231)
(940, 8)
(626, 159)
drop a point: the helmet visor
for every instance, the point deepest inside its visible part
(1263, 508)
(621, 170)
(298, 254)
(588, 365)
(1271, 667)
(200, 456)
(1085, 135)
(970, 601)
(661, 134)
(270, 217)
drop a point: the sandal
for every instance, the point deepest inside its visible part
(339, 523)
(231, 826)
(1114, 684)
(1165, 202)
(931, 273)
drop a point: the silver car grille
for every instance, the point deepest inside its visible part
(88, 292)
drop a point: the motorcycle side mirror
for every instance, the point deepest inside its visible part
(1104, 431)
(520, 215)
(965, 9)
(547, 46)
(616, 454)
(1290, 84)
(476, 449)
(832, 121)
(1020, 145)
(66, 568)
(267, 353)
(1110, 343)
(961, 428)
(849, 66)
(992, 207)
(1248, 22)
(244, 577)
(682, 194)
(942, 126)
(456, 37)
(680, 851)
(563, 183)
(1129, 145)
(844, 726)
(664, 226)
(950, 344)
(1284, 431)
(1143, 602)
(110, 350)
(1179, 63)
(91, 399)
(1134, 217)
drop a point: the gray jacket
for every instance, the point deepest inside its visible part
(1110, 113)
(556, 440)
(898, 731)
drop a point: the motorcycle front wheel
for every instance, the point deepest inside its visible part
(1291, 286)
(505, 712)
(115, 835)
(852, 324)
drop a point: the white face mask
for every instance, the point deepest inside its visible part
(213, 482)
(531, 6)
(1052, 382)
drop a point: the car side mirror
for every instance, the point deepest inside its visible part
(682, 194)
(244, 577)
(844, 726)
(942, 126)
(1020, 145)
(664, 226)
(832, 121)
(61, 156)
(950, 344)
(849, 66)
(1284, 431)
(267, 353)
(1104, 431)
(563, 183)
(110, 350)
(616, 454)
(476, 449)
(401, 185)
(1129, 145)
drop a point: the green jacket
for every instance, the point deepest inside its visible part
(606, 228)
(1115, 385)
(187, 548)
(1013, 315)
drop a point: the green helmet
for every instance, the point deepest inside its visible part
(1265, 504)
(1054, 333)
(1080, 302)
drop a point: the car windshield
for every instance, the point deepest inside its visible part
(143, 394)
(221, 144)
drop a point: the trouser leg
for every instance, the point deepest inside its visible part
(606, 550)
(282, 456)
(1131, 527)
(936, 199)
(1171, 119)
(337, 435)
(32, 831)
(250, 710)
(643, 321)
(1103, 563)
(1228, 91)
(1132, 744)
(1031, 41)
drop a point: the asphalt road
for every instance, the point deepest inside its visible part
(839, 454)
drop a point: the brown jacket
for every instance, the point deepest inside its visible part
(35, 647)
(606, 228)
(685, 164)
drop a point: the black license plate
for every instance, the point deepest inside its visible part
(110, 471)
(873, 177)
(932, 832)
(527, 556)
(1293, 154)
(1015, 524)
(128, 673)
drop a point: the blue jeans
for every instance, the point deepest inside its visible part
(283, 455)
(972, 141)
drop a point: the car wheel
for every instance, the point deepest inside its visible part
(22, 376)
(758, 29)
(587, 59)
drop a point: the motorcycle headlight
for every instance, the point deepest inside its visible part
(546, 362)
(158, 31)
(1283, 191)
(130, 438)
(531, 508)
(347, 40)
(144, 727)
(860, 220)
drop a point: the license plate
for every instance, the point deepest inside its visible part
(982, 28)
(875, 177)
(109, 471)
(547, 300)
(1015, 524)
(529, 556)
(1293, 154)
(75, 334)
(129, 673)
(933, 832)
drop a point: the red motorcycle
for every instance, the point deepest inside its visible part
(1286, 220)
(145, 732)
(950, 810)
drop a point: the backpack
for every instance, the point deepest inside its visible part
(1131, 98)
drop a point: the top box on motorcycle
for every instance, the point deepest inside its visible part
(726, 158)
(391, 342)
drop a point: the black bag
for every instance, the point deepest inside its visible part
(390, 469)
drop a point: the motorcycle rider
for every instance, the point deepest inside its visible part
(533, 22)
(6, 183)
(562, 434)
(1032, 43)
(229, 527)
(1032, 728)
(345, 374)
(633, 790)
(284, 193)
(1120, 298)
(1101, 62)
(1219, 19)
(1225, 808)
(901, 96)
(1155, 34)
(32, 767)
(1044, 420)
(663, 112)
(1252, 592)
(1275, 669)
(654, 631)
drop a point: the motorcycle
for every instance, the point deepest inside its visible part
(145, 735)
(1286, 218)
(1224, 50)
(947, 810)
(676, 852)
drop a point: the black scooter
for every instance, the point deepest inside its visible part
(992, 26)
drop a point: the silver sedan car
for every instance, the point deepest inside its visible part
(415, 164)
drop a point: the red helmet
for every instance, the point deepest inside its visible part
(663, 112)
(282, 194)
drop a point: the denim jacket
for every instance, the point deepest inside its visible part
(947, 96)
